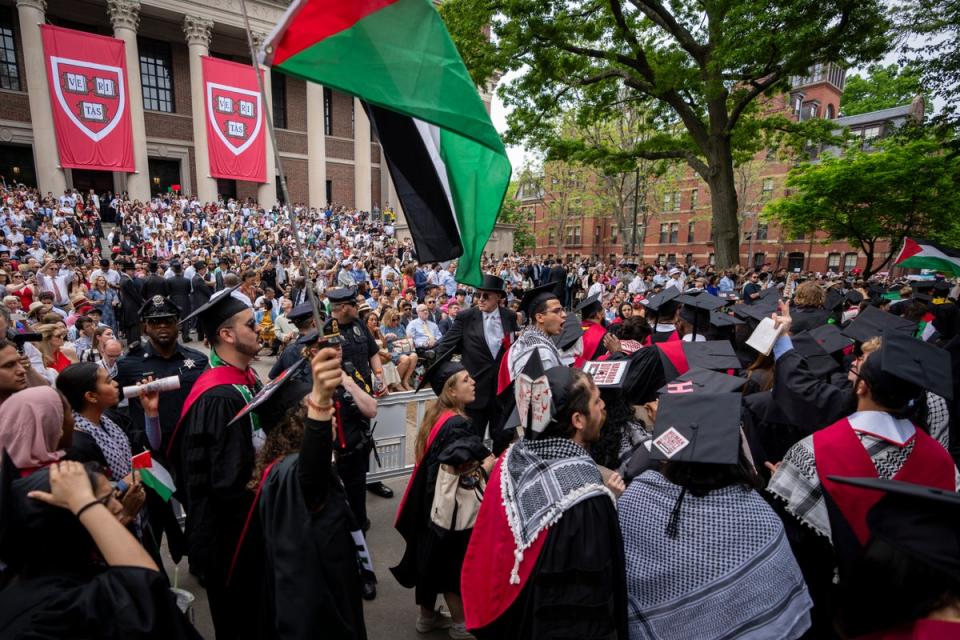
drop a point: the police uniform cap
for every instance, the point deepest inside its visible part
(343, 294)
(300, 312)
(158, 307)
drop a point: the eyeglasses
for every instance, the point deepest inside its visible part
(556, 310)
(431, 302)
(484, 295)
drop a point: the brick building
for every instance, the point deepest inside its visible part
(678, 222)
(327, 149)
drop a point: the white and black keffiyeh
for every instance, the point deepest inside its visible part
(540, 480)
(938, 419)
(111, 440)
(532, 338)
(730, 573)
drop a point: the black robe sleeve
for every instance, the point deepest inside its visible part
(578, 588)
(120, 603)
(314, 465)
(806, 398)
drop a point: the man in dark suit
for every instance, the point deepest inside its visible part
(482, 335)
(202, 289)
(154, 284)
(179, 288)
(558, 275)
(131, 299)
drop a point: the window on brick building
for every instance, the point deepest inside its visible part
(329, 189)
(676, 201)
(671, 258)
(758, 259)
(694, 198)
(688, 259)
(833, 262)
(156, 75)
(674, 232)
(767, 189)
(278, 87)
(664, 232)
(762, 229)
(327, 111)
(691, 230)
(872, 132)
(667, 201)
(614, 231)
(849, 261)
(551, 237)
(9, 68)
(660, 258)
(712, 259)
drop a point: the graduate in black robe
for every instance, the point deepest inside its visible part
(79, 577)
(434, 556)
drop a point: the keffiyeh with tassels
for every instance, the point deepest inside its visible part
(541, 479)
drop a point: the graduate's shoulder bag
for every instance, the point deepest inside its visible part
(457, 498)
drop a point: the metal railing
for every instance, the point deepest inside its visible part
(398, 417)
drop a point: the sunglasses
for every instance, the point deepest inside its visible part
(157, 322)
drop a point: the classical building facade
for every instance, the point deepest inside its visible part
(327, 149)
(678, 225)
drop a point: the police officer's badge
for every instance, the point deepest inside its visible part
(157, 300)
(189, 363)
(356, 330)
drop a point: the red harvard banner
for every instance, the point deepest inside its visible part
(235, 131)
(87, 74)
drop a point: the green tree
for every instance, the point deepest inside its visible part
(703, 65)
(932, 43)
(907, 187)
(882, 88)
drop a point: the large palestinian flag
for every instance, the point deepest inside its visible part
(923, 254)
(446, 159)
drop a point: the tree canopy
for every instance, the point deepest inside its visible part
(881, 88)
(931, 43)
(905, 187)
(702, 68)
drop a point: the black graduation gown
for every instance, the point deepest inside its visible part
(214, 465)
(121, 603)
(433, 559)
(578, 587)
(312, 580)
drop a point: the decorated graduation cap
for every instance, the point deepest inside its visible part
(532, 298)
(702, 428)
(697, 307)
(590, 306)
(279, 395)
(664, 303)
(912, 361)
(918, 520)
(222, 306)
(442, 369)
(872, 322)
(541, 394)
(716, 355)
(700, 381)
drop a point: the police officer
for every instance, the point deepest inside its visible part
(302, 318)
(353, 407)
(361, 351)
(161, 356)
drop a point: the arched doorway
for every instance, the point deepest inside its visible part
(795, 261)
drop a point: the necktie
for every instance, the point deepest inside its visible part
(492, 335)
(427, 330)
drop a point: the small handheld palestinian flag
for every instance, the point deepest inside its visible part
(153, 475)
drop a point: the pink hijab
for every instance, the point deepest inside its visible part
(31, 422)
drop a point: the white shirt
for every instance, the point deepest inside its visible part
(493, 331)
(882, 425)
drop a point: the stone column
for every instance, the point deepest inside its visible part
(267, 191)
(198, 33)
(361, 157)
(125, 16)
(316, 146)
(46, 160)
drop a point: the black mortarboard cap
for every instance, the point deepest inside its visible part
(872, 322)
(701, 381)
(158, 307)
(697, 427)
(663, 303)
(756, 311)
(917, 362)
(818, 360)
(222, 306)
(300, 312)
(833, 299)
(768, 294)
(280, 394)
(696, 309)
(720, 319)
(532, 298)
(571, 332)
(717, 355)
(830, 338)
(918, 520)
(439, 372)
(343, 294)
(590, 305)
(942, 287)
(853, 297)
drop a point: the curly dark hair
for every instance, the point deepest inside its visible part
(606, 450)
(283, 439)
